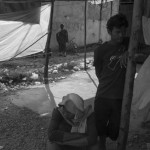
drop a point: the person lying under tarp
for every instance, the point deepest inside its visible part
(72, 127)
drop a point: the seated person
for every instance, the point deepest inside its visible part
(72, 127)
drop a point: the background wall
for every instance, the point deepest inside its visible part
(71, 14)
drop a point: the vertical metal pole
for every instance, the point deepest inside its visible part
(85, 11)
(47, 47)
(131, 69)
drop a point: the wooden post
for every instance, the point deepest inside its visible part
(85, 11)
(100, 19)
(47, 47)
(131, 69)
(111, 6)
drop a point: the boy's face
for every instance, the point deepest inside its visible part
(117, 34)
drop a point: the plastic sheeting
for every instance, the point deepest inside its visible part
(146, 21)
(141, 93)
(16, 37)
(9, 6)
(146, 29)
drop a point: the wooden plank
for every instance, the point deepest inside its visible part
(131, 69)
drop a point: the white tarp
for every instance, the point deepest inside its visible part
(141, 93)
(146, 21)
(146, 29)
(17, 36)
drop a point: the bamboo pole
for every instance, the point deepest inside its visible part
(111, 6)
(85, 48)
(131, 69)
(100, 20)
(47, 47)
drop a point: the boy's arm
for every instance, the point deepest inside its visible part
(97, 61)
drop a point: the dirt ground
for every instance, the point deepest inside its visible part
(23, 129)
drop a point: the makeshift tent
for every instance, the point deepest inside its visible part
(17, 36)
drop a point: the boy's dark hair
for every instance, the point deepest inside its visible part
(61, 26)
(118, 21)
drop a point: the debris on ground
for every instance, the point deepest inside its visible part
(21, 73)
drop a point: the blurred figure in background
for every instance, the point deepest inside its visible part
(62, 39)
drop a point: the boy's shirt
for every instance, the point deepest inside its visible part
(110, 74)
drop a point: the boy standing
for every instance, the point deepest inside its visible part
(110, 61)
(62, 39)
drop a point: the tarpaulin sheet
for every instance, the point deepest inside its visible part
(17, 36)
(146, 22)
(141, 93)
(19, 6)
(8, 6)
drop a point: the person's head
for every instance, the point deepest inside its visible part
(61, 26)
(73, 103)
(116, 27)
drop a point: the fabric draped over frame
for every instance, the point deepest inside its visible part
(17, 36)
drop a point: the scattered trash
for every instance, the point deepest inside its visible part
(37, 83)
(76, 68)
(55, 71)
(34, 76)
(5, 108)
(87, 61)
(44, 114)
(24, 79)
(59, 66)
(65, 65)
(66, 70)
(5, 70)
(55, 68)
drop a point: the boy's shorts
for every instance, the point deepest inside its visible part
(107, 116)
